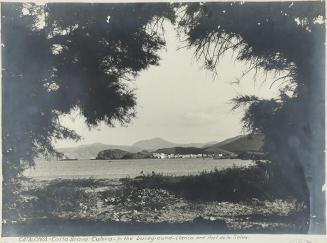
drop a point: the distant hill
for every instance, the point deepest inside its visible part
(157, 143)
(91, 150)
(181, 150)
(229, 140)
(217, 150)
(207, 144)
(153, 144)
(240, 144)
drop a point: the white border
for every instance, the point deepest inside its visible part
(280, 238)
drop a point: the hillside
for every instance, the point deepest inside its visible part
(181, 150)
(157, 143)
(240, 144)
(153, 144)
(229, 140)
(217, 150)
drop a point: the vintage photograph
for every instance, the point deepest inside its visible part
(152, 118)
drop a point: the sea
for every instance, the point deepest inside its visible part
(116, 169)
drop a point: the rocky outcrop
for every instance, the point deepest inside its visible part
(139, 155)
(111, 154)
(121, 154)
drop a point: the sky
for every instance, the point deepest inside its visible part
(179, 101)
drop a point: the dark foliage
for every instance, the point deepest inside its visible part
(287, 39)
(77, 60)
(61, 57)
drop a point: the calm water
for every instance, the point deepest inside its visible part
(115, 169)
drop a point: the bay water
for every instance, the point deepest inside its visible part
(115, 169)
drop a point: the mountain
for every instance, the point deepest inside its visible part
(229, 140)
(157, 143)
(207, 144)
(91, 150)
(240, 144)
(153, 144)
(196, 145)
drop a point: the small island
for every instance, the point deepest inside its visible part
(113, 154)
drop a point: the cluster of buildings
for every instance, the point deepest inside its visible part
(181, 156)
(214, 155)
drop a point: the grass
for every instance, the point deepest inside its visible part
(263, 181)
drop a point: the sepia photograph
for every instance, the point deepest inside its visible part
(163, 118)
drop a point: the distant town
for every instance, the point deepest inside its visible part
(193, 156)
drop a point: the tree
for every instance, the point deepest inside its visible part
(60, 57)
(285, 38)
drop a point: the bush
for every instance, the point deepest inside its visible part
(262, 181)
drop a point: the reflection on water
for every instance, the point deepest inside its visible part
(115, 169)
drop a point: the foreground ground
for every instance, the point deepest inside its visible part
(157, 204)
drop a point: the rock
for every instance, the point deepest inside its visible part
(111, 154)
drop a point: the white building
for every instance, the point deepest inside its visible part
(160, 155)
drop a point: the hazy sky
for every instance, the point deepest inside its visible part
(179, 101)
